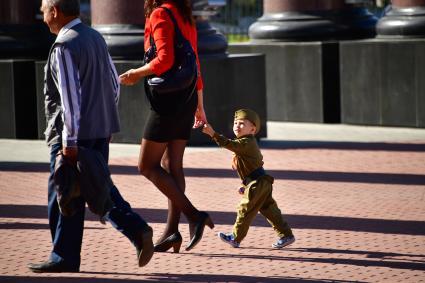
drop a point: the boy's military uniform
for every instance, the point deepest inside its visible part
(257, 196)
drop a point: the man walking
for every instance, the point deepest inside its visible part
(81, 96)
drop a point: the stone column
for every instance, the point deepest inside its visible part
(22, 32)
(296, 20)
(405, 19)
(121, 22)
(357, 21)
(312, 20)
(210, 41)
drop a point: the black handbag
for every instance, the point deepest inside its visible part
(169, 92)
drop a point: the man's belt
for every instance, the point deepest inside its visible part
(254, 175)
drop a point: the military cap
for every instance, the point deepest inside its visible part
(250, 115)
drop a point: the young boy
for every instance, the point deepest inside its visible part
(257, 185)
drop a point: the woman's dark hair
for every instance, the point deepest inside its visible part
(183, 6)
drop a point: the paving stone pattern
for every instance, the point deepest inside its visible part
(357, 211)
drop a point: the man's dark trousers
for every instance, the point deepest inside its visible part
(67, 232)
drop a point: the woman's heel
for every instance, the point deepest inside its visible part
(176, 247)
(174, 241)
(209, 222)
(197, 229)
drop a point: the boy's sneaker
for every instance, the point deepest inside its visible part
(229, 239)
(283, 242)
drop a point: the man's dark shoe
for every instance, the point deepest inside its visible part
(51, 267)
(144, 245)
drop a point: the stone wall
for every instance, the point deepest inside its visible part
(383, 82)
(301, 78)
(230, 82)
(18, 111)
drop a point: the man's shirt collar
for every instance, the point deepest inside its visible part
(68, 26)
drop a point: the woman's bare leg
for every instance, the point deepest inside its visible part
(172, 162)
(151, 154)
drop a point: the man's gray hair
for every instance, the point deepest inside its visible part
(68, 7)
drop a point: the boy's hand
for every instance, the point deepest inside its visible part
(207, 129)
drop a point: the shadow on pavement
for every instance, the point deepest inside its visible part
(231, 278)
(227, 218)
(36, 226)
(374, 146)
(394, 263)
(368, 254)
(321, 176)
(12, 166)
(161, 277)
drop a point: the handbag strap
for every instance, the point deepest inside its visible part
(179, 39)
(178, 33)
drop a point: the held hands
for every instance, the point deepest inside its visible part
(207, 129)
(200, 118)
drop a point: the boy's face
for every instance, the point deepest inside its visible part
(243, 127)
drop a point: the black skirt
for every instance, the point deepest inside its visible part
(176, 126)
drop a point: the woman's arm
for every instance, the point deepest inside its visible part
(200, 116)
(163, 34)
(132, 76)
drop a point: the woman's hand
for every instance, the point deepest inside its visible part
(130, 77)
(200, 118)
(133, 76)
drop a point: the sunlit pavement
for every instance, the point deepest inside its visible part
(356, 205)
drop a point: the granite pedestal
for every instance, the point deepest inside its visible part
(301, 78)
(383, 82)
(17, 99)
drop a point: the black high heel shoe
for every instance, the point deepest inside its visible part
(197, 229)
(174, 241)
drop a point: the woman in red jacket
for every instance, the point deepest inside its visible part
(165, 136)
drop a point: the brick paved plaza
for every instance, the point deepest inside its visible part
(357, 210)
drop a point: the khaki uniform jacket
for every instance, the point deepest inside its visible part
(257, 195)
(246, 153)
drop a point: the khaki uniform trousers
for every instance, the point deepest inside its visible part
(258, 198)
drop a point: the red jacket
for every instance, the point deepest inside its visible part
(161, 26)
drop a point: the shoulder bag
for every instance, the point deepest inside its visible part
(169, 92)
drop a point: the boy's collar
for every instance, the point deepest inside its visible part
(246, 136)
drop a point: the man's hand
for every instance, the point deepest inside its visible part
(71, 154)
(207, 129)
